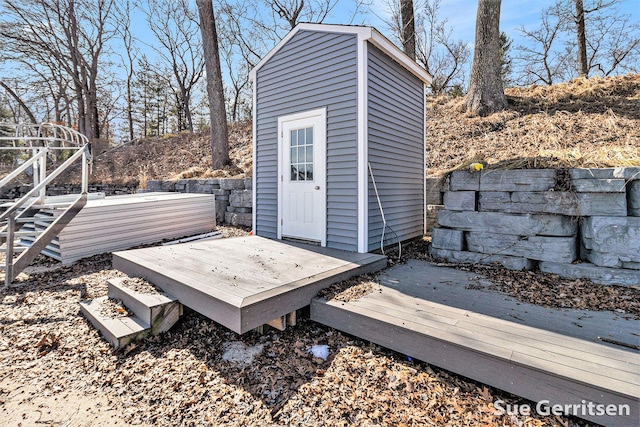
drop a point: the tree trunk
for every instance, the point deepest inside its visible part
(583, 66)
(130, 105)
(234, 108)
(186, 98)
(215, 88)
(486, 91)
(408, 28)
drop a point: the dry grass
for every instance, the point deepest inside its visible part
(178, 156)
(581, 123)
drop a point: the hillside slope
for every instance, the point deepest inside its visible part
(581, 123)
(183, 155)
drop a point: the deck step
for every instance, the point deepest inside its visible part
(152, 314)
(161, 311)
(119, 331)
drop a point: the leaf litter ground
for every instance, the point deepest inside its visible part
(57, 370)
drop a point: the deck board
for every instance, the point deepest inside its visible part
(244, 282)
(199, 273)
(576, 364)
(483, 324)
(456, 331)
(502, 332)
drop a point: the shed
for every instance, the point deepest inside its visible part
(328, 101)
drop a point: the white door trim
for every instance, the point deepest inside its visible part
(321, 115)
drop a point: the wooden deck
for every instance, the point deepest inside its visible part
(243, 283)
(532, 362)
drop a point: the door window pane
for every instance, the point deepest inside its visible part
(301, 149)
(309, 139)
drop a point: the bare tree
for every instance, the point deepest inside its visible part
(540, 59)
(258, 26)
(49, 86)
(70, 33)
(486, 93)
(53, 89)
(240, 24)
(606, 40)
(614, 44)
(238, 74)
(124, 21)
(247, 30)
(408, 32)
(296, 11)
(215, 88)
(19, 100)
(176, 28)
(444, 57)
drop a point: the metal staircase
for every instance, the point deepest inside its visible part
(29, 223)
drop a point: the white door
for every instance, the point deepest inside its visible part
(302, 207)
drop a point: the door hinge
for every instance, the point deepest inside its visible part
(281, 178)
(281, 221)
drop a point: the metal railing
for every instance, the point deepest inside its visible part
(39, 143)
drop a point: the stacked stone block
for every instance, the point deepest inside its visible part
(435, 189)
(633, 193)
(233, 196)
(581, 223)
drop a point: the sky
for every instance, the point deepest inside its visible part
(461, 15)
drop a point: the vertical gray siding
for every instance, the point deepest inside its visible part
(313, 70)
(396, 148)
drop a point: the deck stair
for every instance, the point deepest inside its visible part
(25, 230)
(150, 314)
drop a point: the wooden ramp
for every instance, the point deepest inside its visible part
(245, 282)
(533, 362)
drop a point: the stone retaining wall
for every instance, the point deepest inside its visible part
(577, 223)
(57, 190)
(233, 196)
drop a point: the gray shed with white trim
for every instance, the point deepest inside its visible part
(328, 101)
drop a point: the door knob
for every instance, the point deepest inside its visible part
(317, 187)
